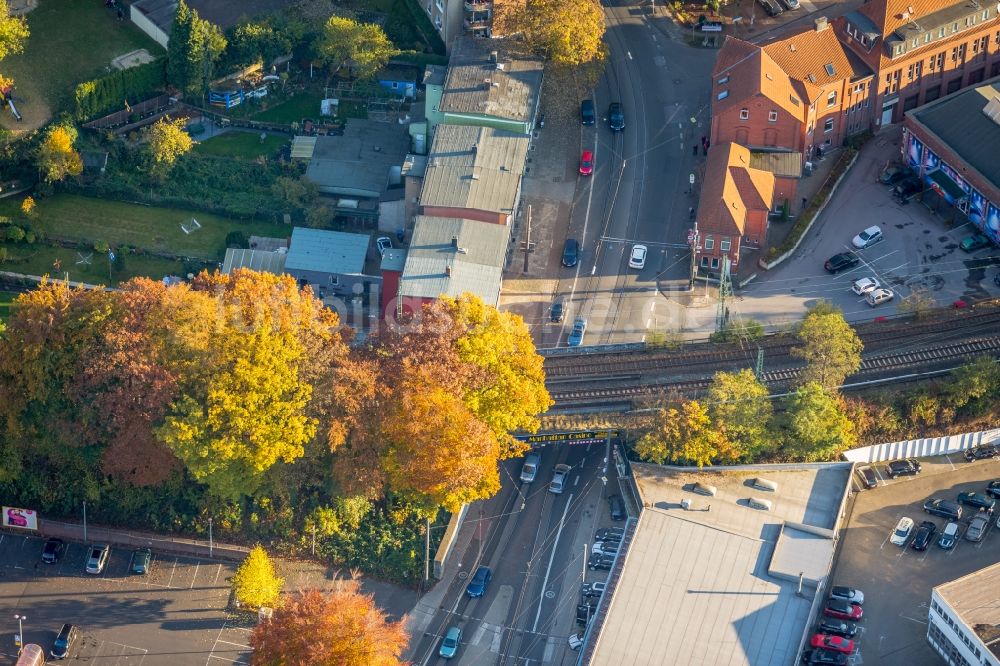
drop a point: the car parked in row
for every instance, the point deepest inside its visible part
(943, 508)
(924, 535)
(606, 547)
(905, 467)
(606, 533)
(53, 550)
(141, 560)
(64, 642)
(616, 506)
(571, 252)
(864, 286)
(558, 312)
(901, 532)
(829, 625)
(983, 452)
(844, 610)
(879, 296)
(977, 501)
(868, 477)
(974, 242)
(868, 237)
(841, 261)
(847, 594)
(977, 526)
(97, 558)
(907, 188)
(949, 536)
(993, 488)
(587, 163)
(579, 330)
(599, 561)
(587, 113)
(832, 643)
(479, 582)
(595, 589)
(559, 474)
(824, 658)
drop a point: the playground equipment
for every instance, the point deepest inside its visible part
(7, 97)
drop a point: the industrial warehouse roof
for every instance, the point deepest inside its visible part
(975, 598)
(358, 164)
(265, 261)
(325, 251)
(716, 583)
(476, 85)
(452, 256)
(474, 167)
(961, 121)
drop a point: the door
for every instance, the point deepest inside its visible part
(887, 114)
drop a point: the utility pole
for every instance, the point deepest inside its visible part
(84, 521)
(725, 288)
(427, 553)
(693, 241)
(759, 369)
(526, 245)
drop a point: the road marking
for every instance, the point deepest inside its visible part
(629, 53)
(232, 643)
(548, 569)
(195, 576)
(172, 573)
(912, 619)
(217, 574)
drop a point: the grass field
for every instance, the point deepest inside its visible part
(245, 145)
(40, 260)
(71, 41)
(5, 299)
(118, 223)
(303, 105)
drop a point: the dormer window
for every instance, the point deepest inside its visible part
(898, 50)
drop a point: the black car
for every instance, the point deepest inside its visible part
(587, 114)
(894, 175)
(835, 627)
(978, 501)
(53, 550)
(907, 467)
(924, 536)
(943, 508)
(584, 613)
(571, 252)
(907, 188)
(983, 452)
(617, 507)
(616, 117)
(868, 477)
(608, 533)
(993, 488)
(599, 561)
(64, 641)
(771, 7)
(558, 312)
(824, 657)
(839, 262)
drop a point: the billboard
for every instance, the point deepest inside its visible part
(26, 519)
(578, 437)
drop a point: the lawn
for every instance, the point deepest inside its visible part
(5, 300)
(118, 223)
(246, 145)
(297, 107)
(40, 259)
(71, 41)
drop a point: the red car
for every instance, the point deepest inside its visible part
(835, 643)
(842, 609)
(586, 163)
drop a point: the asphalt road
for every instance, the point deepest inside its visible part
(640, 191)
(529, 537)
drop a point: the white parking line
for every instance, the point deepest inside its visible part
(239, 645)
(217, 574)
(195, 576)
(172, 570)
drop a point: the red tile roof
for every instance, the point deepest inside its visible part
(756, 73)
(731, 187)
(805, 57)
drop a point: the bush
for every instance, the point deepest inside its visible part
(237, 239)
(744, 330)
(112, 92)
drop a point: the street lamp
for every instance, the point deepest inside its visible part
(210, 543)
(20, 631)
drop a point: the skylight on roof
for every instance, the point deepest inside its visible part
(829, 68)
(812, 79)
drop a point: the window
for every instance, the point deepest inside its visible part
(724, 80)
(986, 15)
(704, 262)
(927, 38)
(829, 69)
(744, 114)
(918, 67)
(715, 262)
(864, 40)
(913, 44)
(335, 280)
(828, 126)
(898, 50)
(709, 242)
(724, 244)
(723, 94)
(941, 32)
(772, 116)
(831, 99)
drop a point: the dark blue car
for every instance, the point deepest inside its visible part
(479, 583)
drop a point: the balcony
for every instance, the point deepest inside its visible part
(477, 5)
(477, 20)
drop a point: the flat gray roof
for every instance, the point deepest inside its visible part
(393, 260)
(474, 167)
(958, 120)
(700, 585)
(477, 86)
(265, 261)
(476, 264)
(358, 163)
(976, 599)
(324, 251)
(160, 12)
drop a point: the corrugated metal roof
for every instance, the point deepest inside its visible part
(303, 147)
(476, 85)
(474, 167)
(959, 121)
(435, 266)
(325, 251)
(784, 164)
(256, 260)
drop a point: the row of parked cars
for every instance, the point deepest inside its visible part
(836, 630)
(607, 543)
(924, 534)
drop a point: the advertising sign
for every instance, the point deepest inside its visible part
(579, 437)
(26, 519)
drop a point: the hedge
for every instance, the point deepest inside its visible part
(112, 92)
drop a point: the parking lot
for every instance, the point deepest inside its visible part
(897, 581)
(174, 614)
(920, 252)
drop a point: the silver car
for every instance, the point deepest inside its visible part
(879, 296)
(977, 527)
(97, 558)
(559, 475)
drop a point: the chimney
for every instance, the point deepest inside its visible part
(454, 242)
(822, 23)
(447, 270)
(475, 148)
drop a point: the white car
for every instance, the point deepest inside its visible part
(97, 558)
(383, 243)
(559, 474)
(638, 257)
(902, 531)
(868, 237)
(879, 296)
(864, 286)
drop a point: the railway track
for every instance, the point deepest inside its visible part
(872, 366)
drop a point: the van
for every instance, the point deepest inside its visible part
(763, 484)
(762, 504)
(770, 7)
(704, 489)
(587, 114)
(530, 467)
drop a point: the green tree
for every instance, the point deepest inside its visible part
(830, 347)
(194, 48)
(361, 47)
(179, 69)
(682, 436)
(56, 156)
(567, 32)
(255, 583)
(815, 424)
(167, 141)
(740, 408)
(973, 386)
(296, 192)
(256, 42)
(13, 32)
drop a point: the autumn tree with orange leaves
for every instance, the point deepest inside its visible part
(338, 628)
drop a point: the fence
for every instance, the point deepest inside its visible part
(920, 448)
(145, 110)
(159, 543)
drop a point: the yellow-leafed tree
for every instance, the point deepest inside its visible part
(56, 156)
(167, 142)
(568, 32)
(682, 436)
(255, 582)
